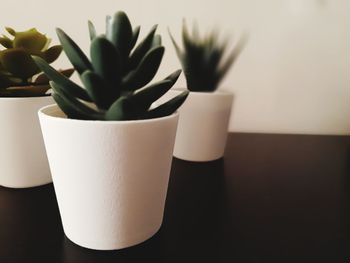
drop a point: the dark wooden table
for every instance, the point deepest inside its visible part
(274, 198)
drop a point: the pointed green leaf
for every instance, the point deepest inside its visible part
(68, 109)
(70, 87)
(97, 89)
(106, 62)
(177, 48)
(108, 24)
(226, 65)
(157, 41)
(146, 70)
(120, 33)
(43, 79)
(73, 52)
(120, 110)
(70, 104)
(144, 98)
(173, 77)
(135, 36)
(168, 107)
(141, 50)
(92, 30)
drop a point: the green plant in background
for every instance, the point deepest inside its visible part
(115, 76)
(203, 58)
(19, 75)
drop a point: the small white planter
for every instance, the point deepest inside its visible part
(23, 161)
(203, 125)
(110, 177)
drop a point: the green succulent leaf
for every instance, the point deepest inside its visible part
(106, 62)
(119, 32)
(145, 71)
(173, 77)
(72, 107)
(157, 41)
(202, 58)
(135, 36)
(226, 65)
(6, 81)
(141, 49)
(17, 67)
(18, 62)
(168, 107)
(108, 21)
(71, 88)
(120, 110)
(76, 56)
(97, 89)
(30, 40)
(115, 80)
(51, 54)
(92, 30)
(11, 31)
(25, 91)
(6, 42)
(69, 109)
(177, 48)
(144, 98)
(43, 79)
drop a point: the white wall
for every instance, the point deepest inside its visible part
(293, 77)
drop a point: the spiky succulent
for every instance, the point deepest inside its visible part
(203, 58)
(19, 75)
(115, 75)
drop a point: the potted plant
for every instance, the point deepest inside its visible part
(204, 117)
(23, 90)
(109, 148)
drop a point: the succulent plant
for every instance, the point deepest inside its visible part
(19, 75)
(115, 76)
(203, 58)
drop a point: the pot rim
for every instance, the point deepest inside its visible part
(47, 111)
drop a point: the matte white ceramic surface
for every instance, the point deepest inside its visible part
(203, 125)
(110, 177)
(23, 161)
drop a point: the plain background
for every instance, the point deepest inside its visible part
(293, 76)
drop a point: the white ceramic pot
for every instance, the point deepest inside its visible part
(203, 125)
(23, 161)
(110, 177)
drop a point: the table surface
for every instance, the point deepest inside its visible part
(273, 198)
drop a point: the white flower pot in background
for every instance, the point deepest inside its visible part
(23, 161)
(203, 125)
(110, 177)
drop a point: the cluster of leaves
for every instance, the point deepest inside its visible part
(115, 76)
(202, 58)
(19, 75)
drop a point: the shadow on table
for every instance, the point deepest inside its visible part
(148, 251)
(30, 225)
(198, 222)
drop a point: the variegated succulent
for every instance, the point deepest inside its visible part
(203, 58)
(19, 75)
(115, 76)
